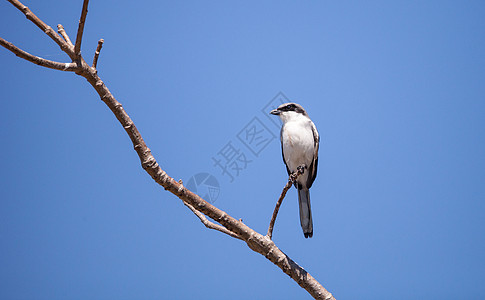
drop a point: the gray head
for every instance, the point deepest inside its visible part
(289, 110)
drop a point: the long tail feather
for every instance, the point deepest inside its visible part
(305, 212)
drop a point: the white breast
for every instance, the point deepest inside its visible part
(298, 143)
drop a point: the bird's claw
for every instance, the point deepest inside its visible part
(301, 169)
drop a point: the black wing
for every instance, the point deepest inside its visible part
(312, 169)
(283, 153)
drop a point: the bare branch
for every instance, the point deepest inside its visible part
(63, 33)
(38, 60)
(80, 29)
(96, 54)
(44, 27)
(255, 241)
(291, 179)
(209, 224)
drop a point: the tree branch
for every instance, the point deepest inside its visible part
(38, 60)
(80, 29)
(96, 54)
(291, 179)
(254, 240)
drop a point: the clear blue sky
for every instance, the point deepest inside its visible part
(397, 91)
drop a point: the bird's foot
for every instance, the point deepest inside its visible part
(301, 169)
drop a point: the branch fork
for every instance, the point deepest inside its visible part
(61, 38)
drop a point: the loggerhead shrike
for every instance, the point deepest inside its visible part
(299, 145)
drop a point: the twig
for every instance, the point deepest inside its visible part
(291, 179)
(80, 29)
(209, 224)
(44, 27)
(38, 60)
(96, 54)
(63, 33)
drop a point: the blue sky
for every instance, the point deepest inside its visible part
(396, 90)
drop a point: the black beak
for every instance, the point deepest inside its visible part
(275, 112)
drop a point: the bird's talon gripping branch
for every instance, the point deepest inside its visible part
(301, 169)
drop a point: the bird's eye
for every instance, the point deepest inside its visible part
(290, 106)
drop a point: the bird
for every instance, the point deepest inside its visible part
(299, 146)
